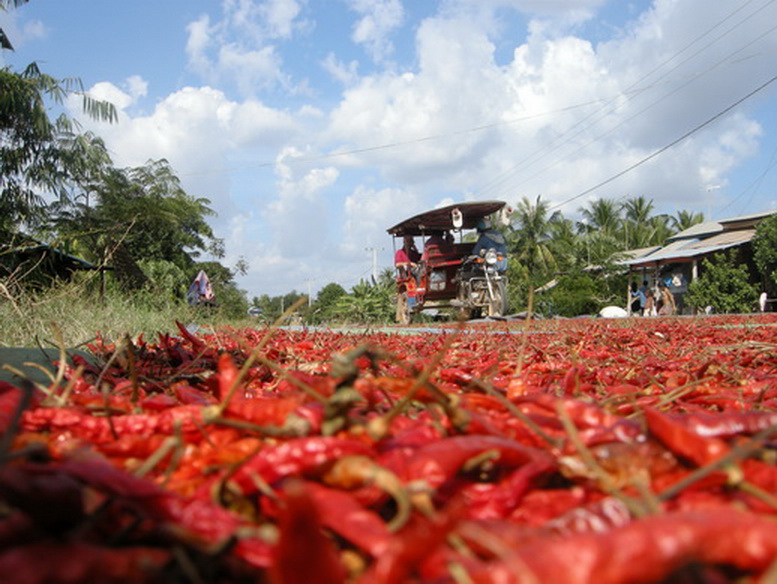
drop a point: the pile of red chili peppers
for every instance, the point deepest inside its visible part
(568, 451)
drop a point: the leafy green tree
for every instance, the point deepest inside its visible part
(34, 154)
(322, 310)
(575, 294)
(600, 230)
(661, 229)
(167, 223)
(724, 284)
(529, 242)
(564, 243)
(273, 307)
(764, 245)
(124, 216)
(167, 278)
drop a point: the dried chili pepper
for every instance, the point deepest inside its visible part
(701, 450)
(303, 554)
(647, 550)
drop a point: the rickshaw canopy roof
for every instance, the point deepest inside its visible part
(441, 219)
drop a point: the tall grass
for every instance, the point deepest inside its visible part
(29, 319)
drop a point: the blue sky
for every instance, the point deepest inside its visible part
(313, 125)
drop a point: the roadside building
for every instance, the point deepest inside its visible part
(679, 261)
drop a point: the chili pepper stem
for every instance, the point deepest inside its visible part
(739, 452)
(65, 395)
(637, 508)
(459, 573)
(37, 366)
(275, 431)
(361, 470)
(133, 371)
(254, 356)
(757, 492)
(187, 566)
(378, 427)
(770, 576)
(168, 445)
(489, 389)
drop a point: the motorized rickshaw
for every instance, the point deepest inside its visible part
(449, 274)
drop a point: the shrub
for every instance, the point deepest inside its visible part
(724, 285)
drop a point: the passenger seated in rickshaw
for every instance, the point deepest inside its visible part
(407, 257)
(436, 241)
(489, 238)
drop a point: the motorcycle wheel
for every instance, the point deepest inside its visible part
(403, 314)
(497, 306)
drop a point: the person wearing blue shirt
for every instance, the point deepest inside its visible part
(638, 299)
(488, 238)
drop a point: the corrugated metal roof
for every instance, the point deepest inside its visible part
(698, 230)
(688, 249)
(632, 254)
(750, 217)
(725, 238)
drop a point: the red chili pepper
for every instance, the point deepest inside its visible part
(410, 548)
(439, 461)
(299, 457)
(343, 514)
(68, 562)
(50, 498)
(647, 550)
(497, 500)
(303, 554)
(684, 442)
(197, 344)
(727, 424)
(100, 430)
(13, 400)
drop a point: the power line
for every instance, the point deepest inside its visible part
(599, 115)
(389, 145)
(668, 146)
(634, 88)
(753, 186)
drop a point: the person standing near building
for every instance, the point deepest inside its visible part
(638, 300)
(666, 299)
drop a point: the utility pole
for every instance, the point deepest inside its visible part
(374, 251)
(710, 188)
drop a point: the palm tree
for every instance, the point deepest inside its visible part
(530, 245)
(602, 215)
(563, 241)
(4, 5)
(638, 209)
(685, 219)
(660, 229)
(600, 228)
(636, 229)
